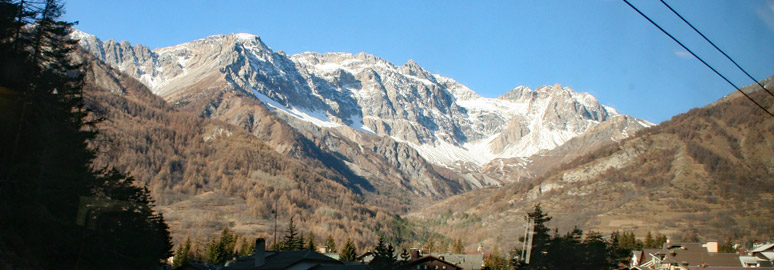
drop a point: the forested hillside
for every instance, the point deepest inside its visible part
(707, 173)
(207, 175)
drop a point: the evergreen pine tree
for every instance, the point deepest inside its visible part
(311, 242)
(214, 252)
(182, 254)
(229, 241)
(569, 251)
(541, 241)
(648, 242)
(384, 256)
(247, 247)
(595, 253)
(348, 253)
(616, 250)
(563, 251)
(50, 198)
(220, 250)
(622, 244)
(330, 245)
(291, 240)
(661, 239)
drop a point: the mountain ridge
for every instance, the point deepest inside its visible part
(444, 120)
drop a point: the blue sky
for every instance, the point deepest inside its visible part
(598, 46)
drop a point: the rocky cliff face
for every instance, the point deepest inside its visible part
(444, 122)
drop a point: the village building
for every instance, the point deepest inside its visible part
(685, 256)
(198, 266)
(281, 260)
(759, 256)
(419, 262)
(474, 261)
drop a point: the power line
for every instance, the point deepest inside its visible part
(716, 47)
(697, 57)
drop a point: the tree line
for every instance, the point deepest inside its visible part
(549, 250)
(228, 246)
(574, 249)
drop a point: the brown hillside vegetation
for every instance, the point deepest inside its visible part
(708, 172)
(385, 172)
(388, 173)
(207, 175)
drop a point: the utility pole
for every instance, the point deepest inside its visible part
(524, 240)
(275, 226)
(529, 232)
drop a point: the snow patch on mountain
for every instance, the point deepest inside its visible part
(444, 120)
(644, 123)
(357, 123)
(447, 154)
(318, 118)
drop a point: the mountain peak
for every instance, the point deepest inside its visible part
(88, 41)
(241, 38)
(551, 88)
(78, 34)
(249, 41)
(515, 93)
(246, 36)
(413, 69)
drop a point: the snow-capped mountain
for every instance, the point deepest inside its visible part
(446, 122)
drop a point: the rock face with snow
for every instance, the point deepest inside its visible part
(445, 122)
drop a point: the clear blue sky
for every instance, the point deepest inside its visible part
(598, 46)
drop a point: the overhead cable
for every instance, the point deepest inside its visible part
(697, 57)
(716, 47)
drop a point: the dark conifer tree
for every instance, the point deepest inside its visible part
(311, 242)
(660, 240)
(569, 251)
(541, 241)
(596, 253)
(330, 244)
(384, 256)
(51, 201)
(247, 247)
(649, 242)
(292, 240)
(222, 249)
(348, 253)
(300, 242)
(182, 254)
